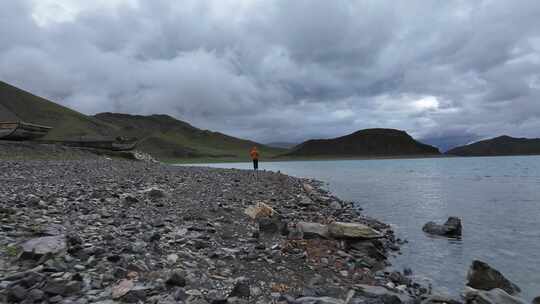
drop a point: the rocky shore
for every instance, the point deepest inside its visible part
(108, 231)
(20, 150)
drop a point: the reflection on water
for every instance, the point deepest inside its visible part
(498, 199)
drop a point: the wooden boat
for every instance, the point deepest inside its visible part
(22, 131)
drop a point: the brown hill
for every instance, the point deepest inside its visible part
(502, 145)
(368, 142)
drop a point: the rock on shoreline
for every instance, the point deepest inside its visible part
(142, 232)
(484, 277)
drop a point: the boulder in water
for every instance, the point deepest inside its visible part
(482, 276)
(452, 228)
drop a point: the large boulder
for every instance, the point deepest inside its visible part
(452, 228)
(494, 296)
(43, 246)
(313, 230)
(340, 230)
(482, 276)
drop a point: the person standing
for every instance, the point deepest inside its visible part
(254, 153)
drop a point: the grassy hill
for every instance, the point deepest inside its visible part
(161, 135)
(66, 123)
(502, 145)
(172, 138)
(365, 143)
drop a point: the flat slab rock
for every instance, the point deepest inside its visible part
(313, 230)
(340, 230)
(47, 245)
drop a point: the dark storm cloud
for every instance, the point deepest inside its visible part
(446, 71)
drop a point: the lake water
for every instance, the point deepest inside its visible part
(497, 198)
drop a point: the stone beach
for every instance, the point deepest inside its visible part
(106, 231)
(101, 230)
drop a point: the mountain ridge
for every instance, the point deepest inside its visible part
(503, 145)
(67, 123)
(161, 135)
(366, 142)
(282, 145)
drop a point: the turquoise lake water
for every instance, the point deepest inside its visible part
(497, 198)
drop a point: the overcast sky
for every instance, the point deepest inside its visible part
(286, 70)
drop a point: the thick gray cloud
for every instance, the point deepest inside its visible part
(447, 71)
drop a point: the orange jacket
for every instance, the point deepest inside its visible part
(254, 153)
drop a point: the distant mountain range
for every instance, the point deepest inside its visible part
(161, 135)
(168, 138)
(502, 145)
(445, 143)
(283, 145)
(368, 142)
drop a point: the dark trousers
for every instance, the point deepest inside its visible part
(255, 164)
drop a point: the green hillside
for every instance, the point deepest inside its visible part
(66, 123)
(172, 138)
(162, 136)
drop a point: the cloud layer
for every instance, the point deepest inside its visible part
(448, 71)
